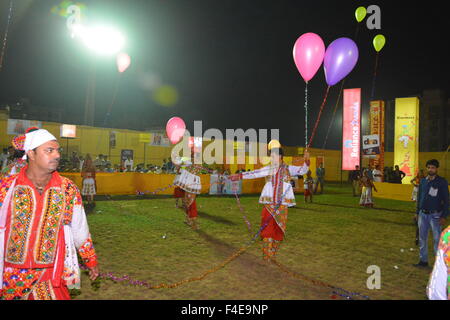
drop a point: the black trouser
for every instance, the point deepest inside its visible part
(319, 181)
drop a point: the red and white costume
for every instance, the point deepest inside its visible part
(276, 196)
(39, 238)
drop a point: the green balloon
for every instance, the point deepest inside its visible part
(378, 42)
(360, 14)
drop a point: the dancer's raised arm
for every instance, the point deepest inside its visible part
(300, 170)
(255, 174)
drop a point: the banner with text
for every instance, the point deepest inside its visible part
(377, 127)
(351, 129)
(17, 126)
(371, 145)
(406, 142)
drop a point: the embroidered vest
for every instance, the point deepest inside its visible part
(282, 175)
(56, 211)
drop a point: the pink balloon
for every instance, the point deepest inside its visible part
(123, 61)
(309, 51)
(175, 129)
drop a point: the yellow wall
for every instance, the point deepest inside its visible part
(394, 191)
(96, 140)
(131, 183)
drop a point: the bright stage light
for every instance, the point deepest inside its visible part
(101, 39)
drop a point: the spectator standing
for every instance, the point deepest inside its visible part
(397, 175)
(355, 176)
(75, 160)
(89, 184)
(320, 173)
(4, 158)
(415, 182)
(98, 161)
(370, 172)
(128, 164)
(308, 184)
(432, 209)
(377, 174)
(81, 162)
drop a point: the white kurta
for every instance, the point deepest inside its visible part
(75, 235)
(267, 192)
(437, 285)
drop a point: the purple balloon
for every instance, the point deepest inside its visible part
(340, 59)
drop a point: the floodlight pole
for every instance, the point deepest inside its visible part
(89, 107)
(67, 148)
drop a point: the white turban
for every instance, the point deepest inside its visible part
(35, 139)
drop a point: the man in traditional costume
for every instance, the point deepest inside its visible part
(438, 287)
(189, 182)
(16, 163)
(42, 225)
(308, 183)
(178, 193)
(277, 196)
(366, 199)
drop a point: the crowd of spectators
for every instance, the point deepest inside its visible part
(102, 164)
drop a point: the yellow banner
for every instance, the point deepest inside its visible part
(144, 137)
(238, 145)
(377, 127)
(406, 144)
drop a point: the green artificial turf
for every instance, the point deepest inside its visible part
(331, 241)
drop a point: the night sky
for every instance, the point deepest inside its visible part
(231, 61)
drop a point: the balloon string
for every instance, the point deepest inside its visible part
(372, 95)
(318, 118)
(306, 114)
(356, 32)
(5, 37)
(334, 113)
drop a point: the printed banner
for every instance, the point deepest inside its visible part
(377, 127)
(351, 129)
(68, 131)
(232, 187)
(112, 139)
(159, 139)
(144, 137)
(125, 154)
(406, 143)
(16, 126)
(371, 145)
(216, 184)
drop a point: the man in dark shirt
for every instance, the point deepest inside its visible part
(398, 175)
(320, 173)
(354, 176)
(432, 209)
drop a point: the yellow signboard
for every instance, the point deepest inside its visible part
(406, 140)
(377, 127)
(144, 137)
